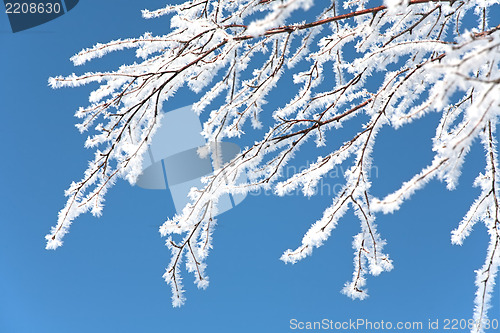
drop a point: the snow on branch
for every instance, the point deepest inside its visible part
(412, 58)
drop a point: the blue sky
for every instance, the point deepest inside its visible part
(107, 276)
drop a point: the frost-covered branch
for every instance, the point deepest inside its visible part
(411, 58)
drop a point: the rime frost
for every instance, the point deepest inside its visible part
(431, 58)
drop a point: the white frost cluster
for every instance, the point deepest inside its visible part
(412, 58)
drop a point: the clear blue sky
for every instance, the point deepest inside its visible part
(107, 276)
